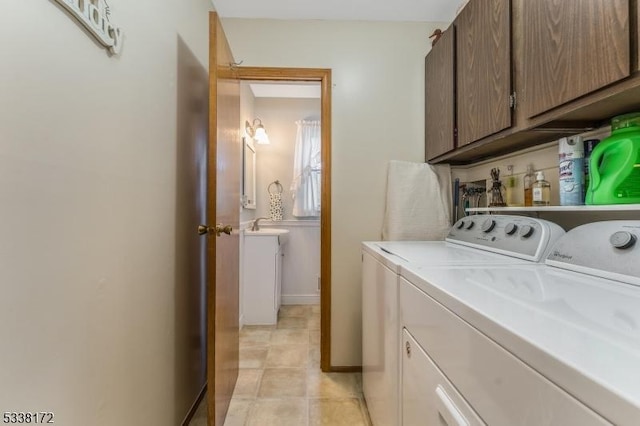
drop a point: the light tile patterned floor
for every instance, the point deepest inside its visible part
(280, 382)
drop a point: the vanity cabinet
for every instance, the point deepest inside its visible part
(572, 48)
(483, 53)
(262, 277)
(439, 66)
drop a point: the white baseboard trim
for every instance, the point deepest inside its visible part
(300, 299)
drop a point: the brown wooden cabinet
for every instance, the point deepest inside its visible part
(572, 48)
(439, 67)
(483, 52)
(637, 37)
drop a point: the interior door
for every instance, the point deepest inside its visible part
(223, 211)
(190, 249)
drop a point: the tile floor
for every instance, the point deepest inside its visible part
(280, 382)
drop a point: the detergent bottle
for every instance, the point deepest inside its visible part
(614, 166)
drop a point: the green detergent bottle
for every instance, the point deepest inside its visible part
(614, 166)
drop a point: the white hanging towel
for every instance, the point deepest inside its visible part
(418, 203)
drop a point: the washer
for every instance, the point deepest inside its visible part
(528, 345)
(472, 241)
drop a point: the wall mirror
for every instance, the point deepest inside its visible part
(248, 174)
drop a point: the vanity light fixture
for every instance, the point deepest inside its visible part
(257, 132)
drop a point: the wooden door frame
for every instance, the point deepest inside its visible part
(323, 76)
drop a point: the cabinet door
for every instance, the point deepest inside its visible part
(483, 40)
(439, 70)
(572, 48)
(278, 281)
(638, 36)
(428, 398)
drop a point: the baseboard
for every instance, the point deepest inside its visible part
(300, 299)
(194, 407)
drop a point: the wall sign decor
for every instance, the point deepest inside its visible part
(95, 16)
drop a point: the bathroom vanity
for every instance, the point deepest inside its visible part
(263, 252)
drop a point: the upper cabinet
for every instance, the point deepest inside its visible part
(483, 34)
(637, 37)
(532, 71)
(440, 96)
(572, 48)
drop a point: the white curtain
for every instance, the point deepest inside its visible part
(307, 170)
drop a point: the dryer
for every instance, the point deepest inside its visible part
(528, 345)
(472, 241)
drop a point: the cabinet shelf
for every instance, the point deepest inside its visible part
(572, 209)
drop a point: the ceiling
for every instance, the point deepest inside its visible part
(356, 10)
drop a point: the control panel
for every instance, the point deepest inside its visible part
(607, 249)
(517, 236)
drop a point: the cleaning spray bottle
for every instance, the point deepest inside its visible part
(571, 179)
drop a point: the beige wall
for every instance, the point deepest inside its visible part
(543, 158)
(275, 161)
(378, 115)
(87, 183)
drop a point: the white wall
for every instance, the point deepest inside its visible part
(87, 232)
(378, 115)
(275, 161)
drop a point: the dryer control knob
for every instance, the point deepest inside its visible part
(470, 225)
(460, 224)
(510, 229)
(488, 225)
(526, 231)
(622, 240)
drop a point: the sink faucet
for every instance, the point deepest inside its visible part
(256, 224)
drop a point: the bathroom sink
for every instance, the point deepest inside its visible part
(267, 231)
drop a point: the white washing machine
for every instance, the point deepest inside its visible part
(521, 345)
(474, 240)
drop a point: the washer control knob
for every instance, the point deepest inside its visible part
(469, 225)
(510, 229)
(488, 225)
(526, 231)
(622, 240)
(460, 224)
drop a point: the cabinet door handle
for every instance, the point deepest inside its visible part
(448, 409)
(407, 346)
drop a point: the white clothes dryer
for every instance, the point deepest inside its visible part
(472, 241)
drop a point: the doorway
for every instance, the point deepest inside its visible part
(323, 77)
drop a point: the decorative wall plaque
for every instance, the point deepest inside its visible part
(95, 16)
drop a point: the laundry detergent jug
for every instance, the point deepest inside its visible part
(614, 166)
